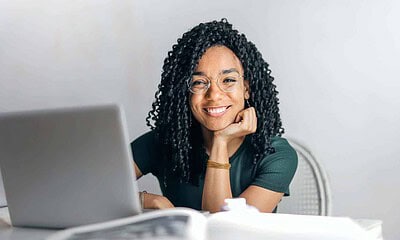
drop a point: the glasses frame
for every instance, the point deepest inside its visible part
(241, 77)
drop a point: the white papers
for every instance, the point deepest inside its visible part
(249, 225)
(231, 225)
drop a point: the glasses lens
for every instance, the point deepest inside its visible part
(229, 83)
(198, 85)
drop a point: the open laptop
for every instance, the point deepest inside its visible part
(67, 167)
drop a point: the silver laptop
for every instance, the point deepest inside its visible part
(67, 167)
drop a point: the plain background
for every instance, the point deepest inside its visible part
(335, 63)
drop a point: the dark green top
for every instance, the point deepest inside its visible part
(273, 172)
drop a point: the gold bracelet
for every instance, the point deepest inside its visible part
(212, 164)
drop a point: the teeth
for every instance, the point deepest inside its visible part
(216, 110)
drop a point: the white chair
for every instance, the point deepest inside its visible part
(309, 191)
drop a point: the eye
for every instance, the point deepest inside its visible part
(230, 80)
(198, 82)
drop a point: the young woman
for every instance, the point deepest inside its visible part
(216, 128)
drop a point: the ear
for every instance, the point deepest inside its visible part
(246, 89)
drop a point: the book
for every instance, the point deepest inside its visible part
(168, 224)
(184, 223)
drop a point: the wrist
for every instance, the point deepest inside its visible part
(220, 139)
(219, 144)
(219, 152)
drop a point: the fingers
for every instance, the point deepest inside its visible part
(254, 120)
(163, 203)
(245, 123)
(154, 201)
(239, 117)
(247, 120)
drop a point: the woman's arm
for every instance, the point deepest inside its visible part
(263, 199)
(217, 181)
(152, 201)
(217, 184)
(138, 173)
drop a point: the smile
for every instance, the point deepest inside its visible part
(216, 111)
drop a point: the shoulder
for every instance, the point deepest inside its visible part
(276, 170)
(284, 156)
(145, 140)
(281, 144)
(145, 150)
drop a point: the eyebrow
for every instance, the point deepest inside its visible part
(222, 72)
(230, 71)
(199, 74)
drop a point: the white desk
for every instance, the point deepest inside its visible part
(7, 232)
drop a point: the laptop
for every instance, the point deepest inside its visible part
(67, 167)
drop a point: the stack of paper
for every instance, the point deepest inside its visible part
(249, 225)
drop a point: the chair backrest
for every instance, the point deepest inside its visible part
(309, 191)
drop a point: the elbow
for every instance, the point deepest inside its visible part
(211, 209)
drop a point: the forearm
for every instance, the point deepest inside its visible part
(217, 185)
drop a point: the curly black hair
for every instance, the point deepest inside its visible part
(175, 127)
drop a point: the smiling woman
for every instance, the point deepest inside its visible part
(215, 126)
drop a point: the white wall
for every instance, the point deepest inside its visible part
(334, 63)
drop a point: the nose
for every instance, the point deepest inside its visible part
(214, 92)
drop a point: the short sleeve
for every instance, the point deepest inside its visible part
(145, 152)
(276, 171)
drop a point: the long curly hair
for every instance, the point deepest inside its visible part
(171, 118)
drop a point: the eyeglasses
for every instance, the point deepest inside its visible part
(199, 84)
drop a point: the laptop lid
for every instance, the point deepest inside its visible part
(3, 202)
(67, 167)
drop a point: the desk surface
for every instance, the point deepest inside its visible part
(7, 232)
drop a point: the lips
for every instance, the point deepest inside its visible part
(216, 111)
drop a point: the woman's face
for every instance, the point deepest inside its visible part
(216, 109)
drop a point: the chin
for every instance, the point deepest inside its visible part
(216, 127)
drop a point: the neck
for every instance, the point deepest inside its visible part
(208, 137)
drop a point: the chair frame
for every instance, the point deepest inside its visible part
(320, 174)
